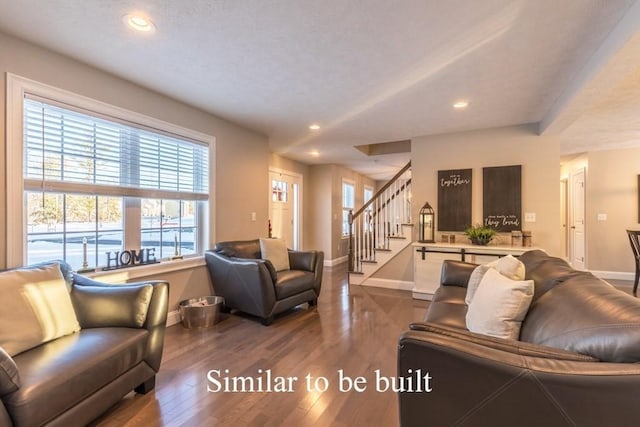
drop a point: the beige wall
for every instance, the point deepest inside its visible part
(325, 203)
(611, 189)
(538, 155)
(241, 158)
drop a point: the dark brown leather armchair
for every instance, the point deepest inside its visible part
(251, 284)
(75, 378)
(576, 362)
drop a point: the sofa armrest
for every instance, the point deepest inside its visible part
(476, 384)
(302, 260)
(111, 306)
(310, 261)
(9, 376)
(156, 318)
(456, 273)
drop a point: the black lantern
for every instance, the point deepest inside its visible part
(427, 220)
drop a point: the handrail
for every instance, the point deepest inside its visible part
(384, 187)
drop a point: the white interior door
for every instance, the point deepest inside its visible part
(577, 217)
(284, 207)
(564, 219)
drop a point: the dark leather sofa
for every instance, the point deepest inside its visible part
(575, 364)
(251, 284)
(72, 380)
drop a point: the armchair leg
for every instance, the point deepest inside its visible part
(313, 302)
(146, 386)
(266, 321)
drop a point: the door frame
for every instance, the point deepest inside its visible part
(297, 213)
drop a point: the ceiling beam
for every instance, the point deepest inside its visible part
(618, 55)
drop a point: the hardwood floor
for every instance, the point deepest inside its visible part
(353, 328)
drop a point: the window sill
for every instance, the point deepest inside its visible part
(131, 273)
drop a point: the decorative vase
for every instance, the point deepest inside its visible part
(482, 241)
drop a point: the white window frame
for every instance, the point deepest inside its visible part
(344, 208)
(17, 87)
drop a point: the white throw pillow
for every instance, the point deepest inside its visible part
(275, 250)
(508, 266)
(37, 308)
(474, 280)
(499, 306)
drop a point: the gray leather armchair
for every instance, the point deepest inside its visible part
(251, 284)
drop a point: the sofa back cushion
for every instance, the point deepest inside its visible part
(586, 315)
(239, 249)
(37, 308)
(545, 271)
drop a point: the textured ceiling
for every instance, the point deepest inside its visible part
(367, 71)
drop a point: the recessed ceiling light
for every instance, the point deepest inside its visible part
(314, 127)
(314, 153)
(139, 22)
(460, 105)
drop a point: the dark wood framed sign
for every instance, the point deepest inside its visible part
(454, 199)
(502, 197)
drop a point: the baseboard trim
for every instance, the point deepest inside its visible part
(615, 275)
(173, 318)
(336, 261)
(422, 295)
(401, 285)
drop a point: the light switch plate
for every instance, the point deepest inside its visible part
(253, 216)
(602, 217)
(529, 217)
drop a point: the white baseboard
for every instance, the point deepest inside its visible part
(173, 318)
(388, 284)
(616, 275)
(426, 296)
(336, 261)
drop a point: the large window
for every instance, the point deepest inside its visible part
(348, 204)
(95, 184)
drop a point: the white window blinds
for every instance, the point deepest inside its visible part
(68, 150)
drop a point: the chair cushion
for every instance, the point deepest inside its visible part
(275, 250)
(40, 305)
(292, 282)
(57, 375)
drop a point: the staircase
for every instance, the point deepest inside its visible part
(380, 229)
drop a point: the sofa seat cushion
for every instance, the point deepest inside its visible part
(57, 375)
(292, 282)
(586, 315)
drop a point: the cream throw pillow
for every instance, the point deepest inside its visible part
(275, 250)
(508, 266)
(499, 306)
(37, 308)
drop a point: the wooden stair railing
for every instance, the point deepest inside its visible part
(380, 219)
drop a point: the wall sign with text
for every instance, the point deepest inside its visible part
(454, 199)
(502, 197)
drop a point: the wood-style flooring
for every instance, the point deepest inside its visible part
(354, 329)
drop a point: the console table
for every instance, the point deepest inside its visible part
(428, 257)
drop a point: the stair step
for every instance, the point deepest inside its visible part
(368, 262)
(397, 237)
(356, 272)
(382, 250)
